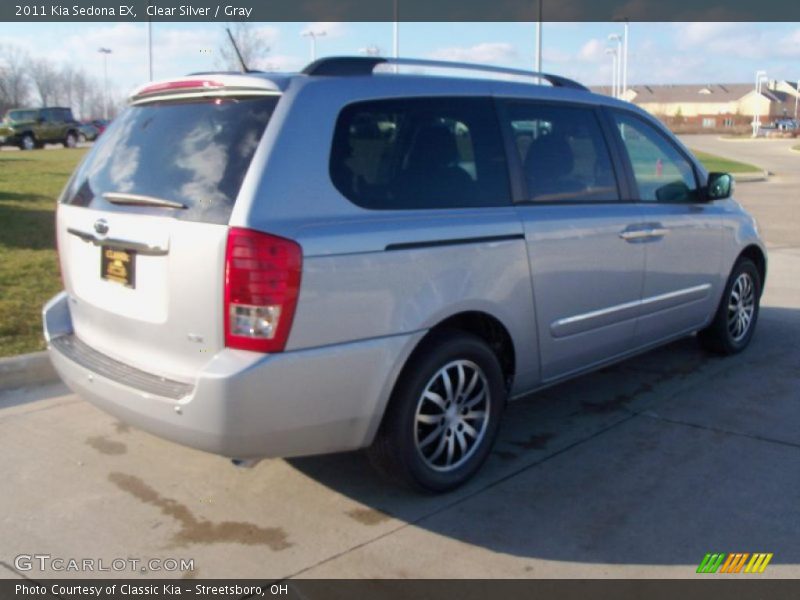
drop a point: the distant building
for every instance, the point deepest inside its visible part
(713, 106)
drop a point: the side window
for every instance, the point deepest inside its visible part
(662, 173)
(563, 153)
(47, 115)
(420, 153)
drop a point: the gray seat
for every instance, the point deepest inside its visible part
(548, 168)
(432, 169)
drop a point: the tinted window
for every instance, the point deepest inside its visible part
(21, 115)
(420, 153)
(195, 153)
(662, 173)
(563, 153)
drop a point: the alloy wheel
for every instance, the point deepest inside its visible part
(452, 415)
(741, 307)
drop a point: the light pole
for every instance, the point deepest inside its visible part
(760, 75)
(314, 35)
(396, 33)
(625, 59)
(613, 53)
(539, 40)
(623, 79)
(105, 52)
(149, 44)
(615, 37)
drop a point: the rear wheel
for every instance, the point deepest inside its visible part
(735, 320)
(27, 142)
(444, 414)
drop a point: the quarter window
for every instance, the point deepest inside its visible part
(662, 173)
(563, 153)
(420, 153)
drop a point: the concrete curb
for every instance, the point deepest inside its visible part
(750, 139)
(751, 177)
(25, 370)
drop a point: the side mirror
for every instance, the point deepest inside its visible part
(720, 186)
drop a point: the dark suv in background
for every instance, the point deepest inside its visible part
(31, 128)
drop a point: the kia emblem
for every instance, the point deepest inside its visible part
(101, 226)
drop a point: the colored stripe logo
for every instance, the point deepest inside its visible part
(734, 562)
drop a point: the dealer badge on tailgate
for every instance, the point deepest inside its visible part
(118, 265)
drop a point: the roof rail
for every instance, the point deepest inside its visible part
(348, 66)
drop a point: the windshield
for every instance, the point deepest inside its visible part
(194, 153)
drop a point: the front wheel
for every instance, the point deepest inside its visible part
(735, 320)
(444, 414)
(71, 141)
(27, 142)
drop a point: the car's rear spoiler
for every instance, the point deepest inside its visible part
(210, 85)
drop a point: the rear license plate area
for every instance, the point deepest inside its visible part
(118, 265)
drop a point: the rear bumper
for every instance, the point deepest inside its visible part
(243, 404)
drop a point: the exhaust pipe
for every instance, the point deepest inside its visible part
(245, 463)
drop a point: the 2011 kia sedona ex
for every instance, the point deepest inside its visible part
(263, 265)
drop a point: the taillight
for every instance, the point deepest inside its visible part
(262, 282)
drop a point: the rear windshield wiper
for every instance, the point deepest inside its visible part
(139, 200)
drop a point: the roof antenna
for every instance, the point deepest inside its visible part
(239, 54)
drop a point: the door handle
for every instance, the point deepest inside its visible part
(648, 233)
(630, 235)
(657, 232)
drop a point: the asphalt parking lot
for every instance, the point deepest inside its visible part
(634, 471)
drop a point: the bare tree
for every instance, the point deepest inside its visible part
(64, 86)
(45, 80)
(80, 93)
(14, 82)
(252, 44)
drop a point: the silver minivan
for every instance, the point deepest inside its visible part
(365, 256)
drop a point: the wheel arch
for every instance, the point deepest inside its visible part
(475, 321)
(485, 326)
(759, 257)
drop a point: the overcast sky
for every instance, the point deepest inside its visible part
(659, 52)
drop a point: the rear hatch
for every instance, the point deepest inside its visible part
(142, 224)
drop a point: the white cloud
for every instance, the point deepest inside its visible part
(127, 65)
(332, 29)
(281, 63)
(592, 51)
(736, 40)
(488, 52)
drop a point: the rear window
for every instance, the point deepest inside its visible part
(192, 152)
(420, 153)
(21, 115)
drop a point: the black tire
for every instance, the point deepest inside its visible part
(27, 142)
(722, 336)
(71, 141)
(395, 452)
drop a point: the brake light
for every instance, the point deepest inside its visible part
(262, 283)
(181, 85)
